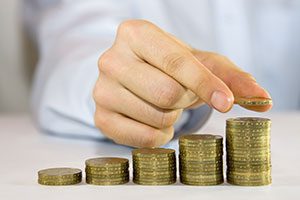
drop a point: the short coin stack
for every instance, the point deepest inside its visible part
(59, 176)
(107, 171)
(154, 166)
(201, 159)
(248, 151)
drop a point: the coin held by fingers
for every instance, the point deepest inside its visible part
(259, 104)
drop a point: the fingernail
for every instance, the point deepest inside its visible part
(221, 101)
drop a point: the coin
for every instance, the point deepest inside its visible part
(154, 182)
(107, 162)
(253, 101)
(59, 176)
(115, 181)
(200, 139)
(153, 152)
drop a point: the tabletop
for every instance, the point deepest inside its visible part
(24, 151)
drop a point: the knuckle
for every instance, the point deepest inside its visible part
(202, 84)
(115, 134)
(106, 61)
(100, 120)
(149, 139)
(167, 94)
(173, 63)
(133, 27)
(167, 119)
(98, 93)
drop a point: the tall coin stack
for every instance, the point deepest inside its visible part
(248, 151)
(201, 159)
(154, 166)
(107, 171)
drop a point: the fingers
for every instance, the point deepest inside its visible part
(242, 84)
(114, 97)
(126, 131)
(158, 49)
(149, 83)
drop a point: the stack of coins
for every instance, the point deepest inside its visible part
(154, 166)
(248, 151)
(59, 176)
(201, 159)
(107, 171)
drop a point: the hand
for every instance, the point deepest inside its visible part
(148, 77)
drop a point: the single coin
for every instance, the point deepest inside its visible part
(107, 162)
(200, 138)
(107, 172)
(154, 182)
(156, 152)
(115, 181)
(248, 121)
(253, 101)
(240, 182)
(58, 183)
(202, 183)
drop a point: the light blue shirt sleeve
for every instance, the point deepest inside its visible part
(70, 37)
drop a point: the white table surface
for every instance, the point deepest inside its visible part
(23, 151)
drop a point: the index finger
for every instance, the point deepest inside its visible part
(247, 92)
(154, 46)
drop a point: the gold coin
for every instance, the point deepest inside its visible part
(103, 176)
(200, 138)
(59, 176)
(266, 181)
(154, 159)
(153, 152)
(201, 148)
(253, 101)
(138, 169)
(155, 178)
(95, 181)
(202, 183)
(107, 168)
(248, 122)
(165, 182)
(154, 173)
(200, 159)
(106, 172)
(103, 162)
(58, 183)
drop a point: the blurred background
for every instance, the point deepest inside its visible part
(18, 56)
(17, 59)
